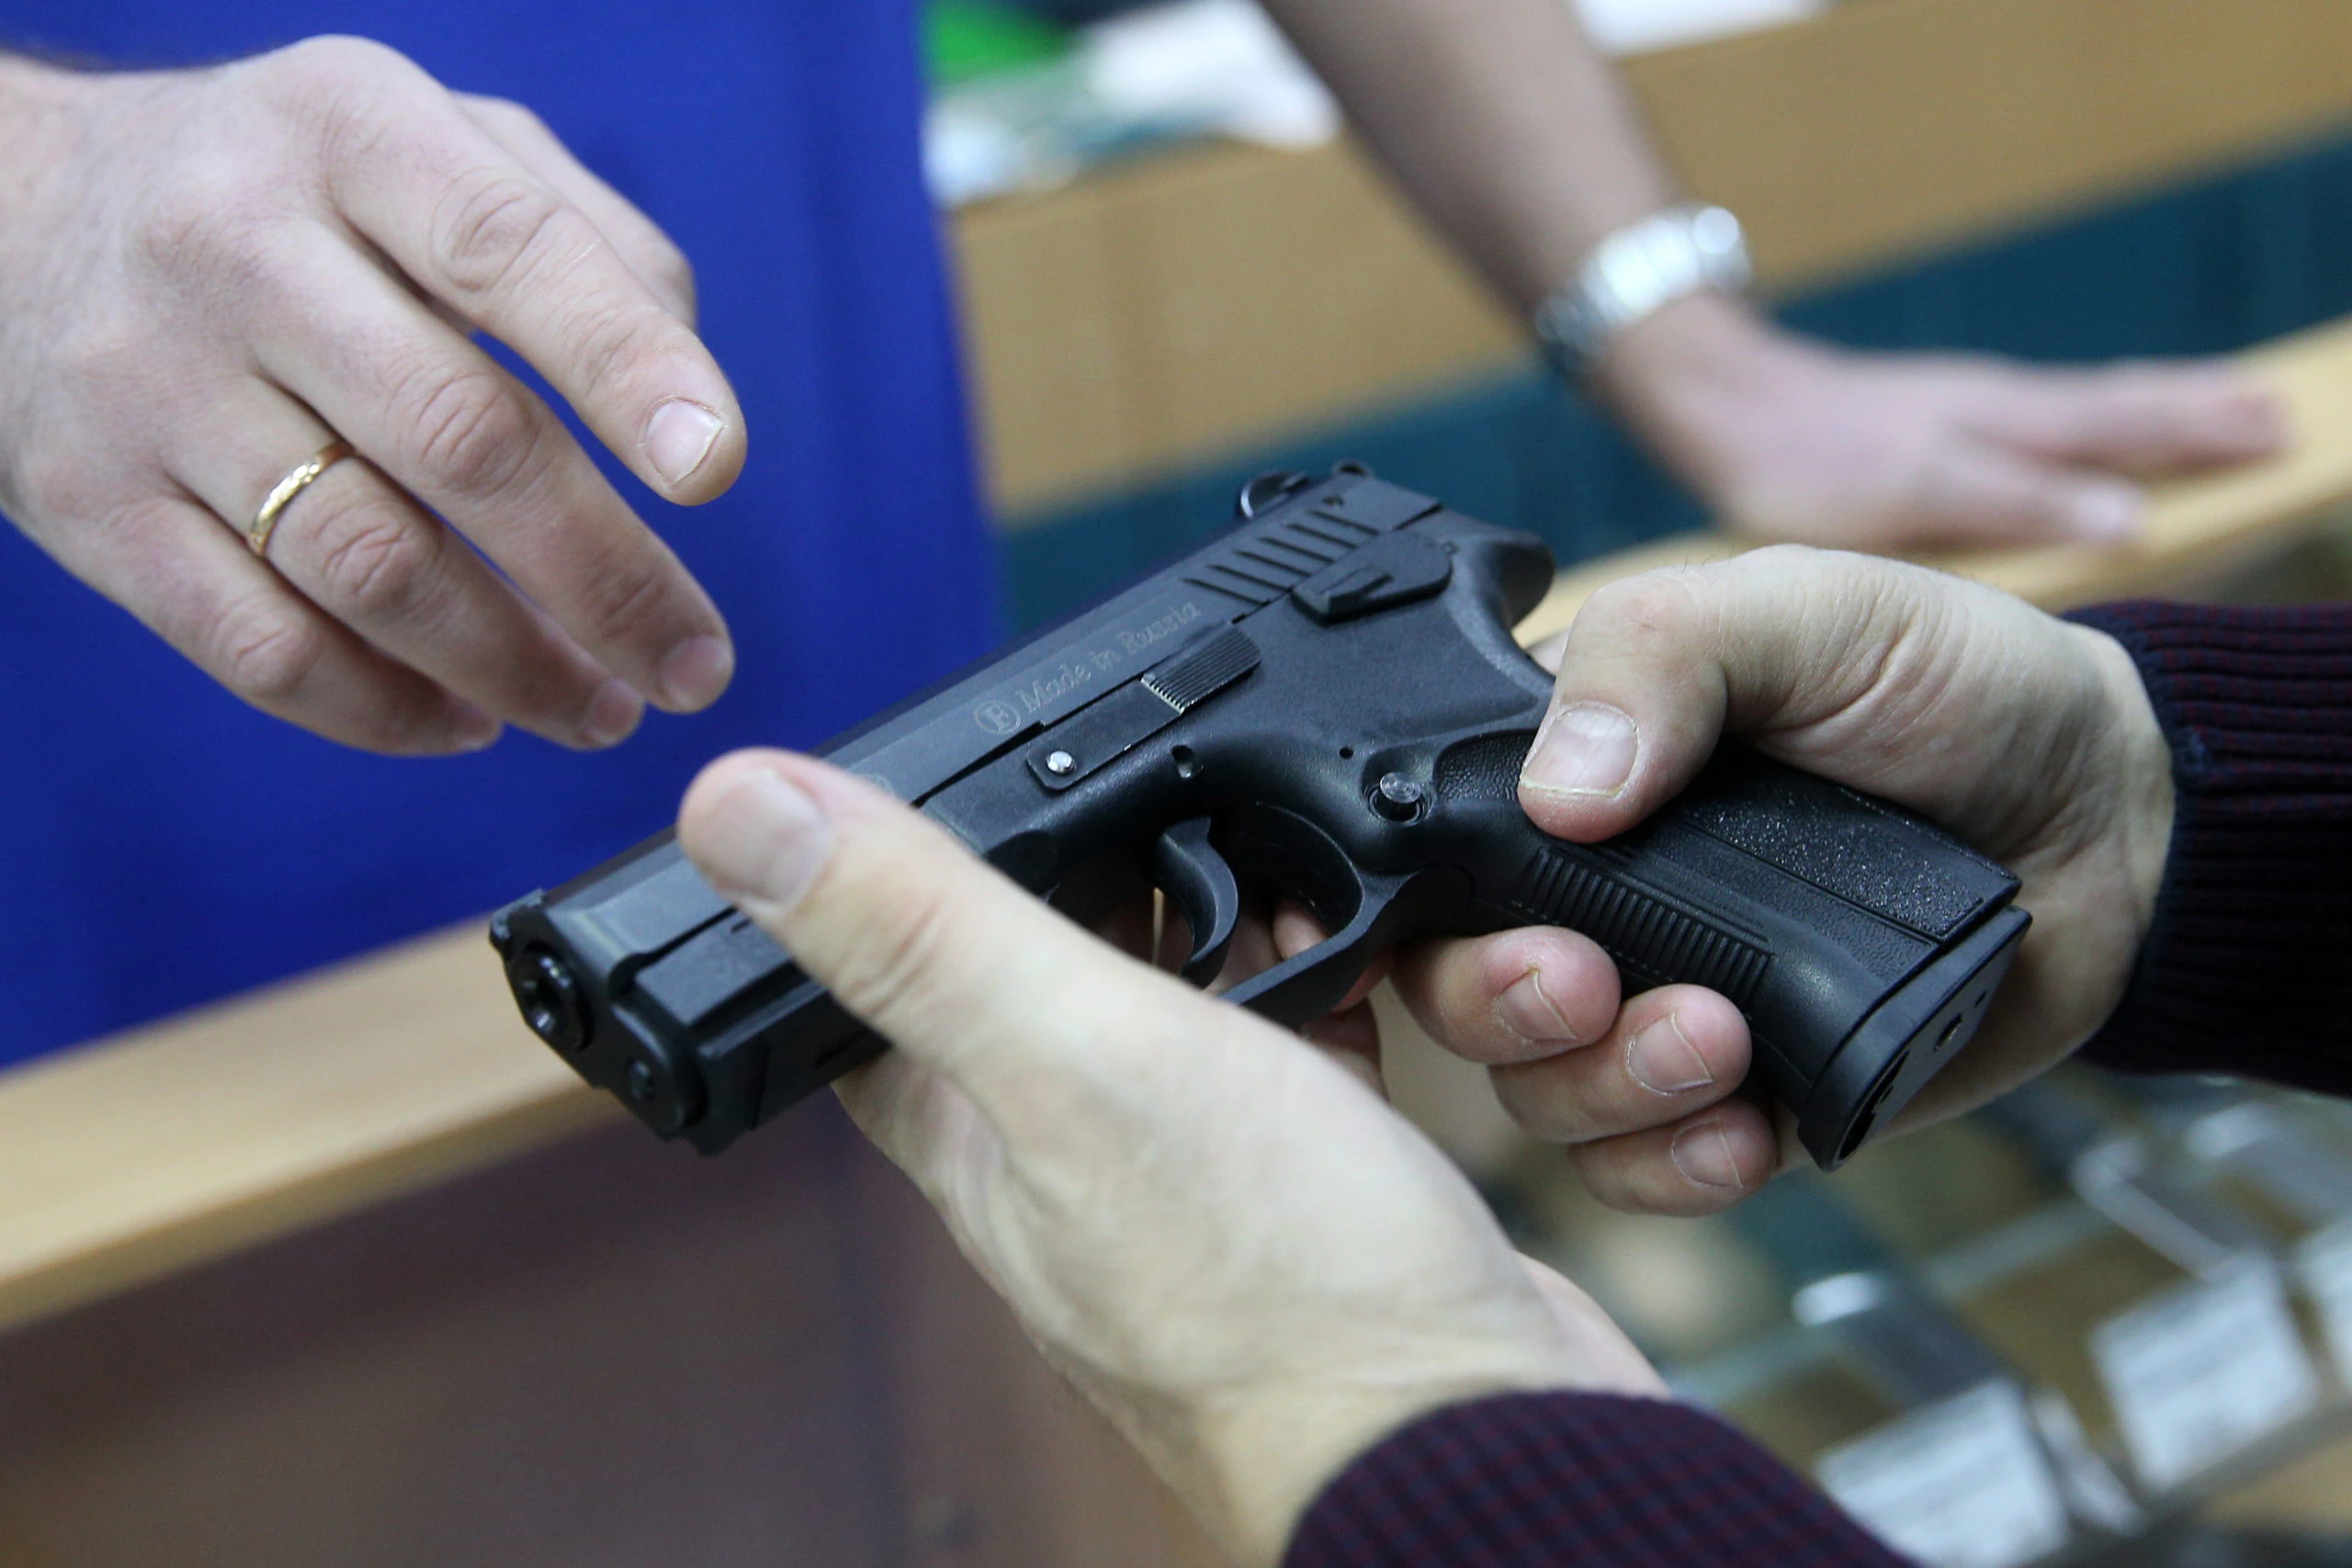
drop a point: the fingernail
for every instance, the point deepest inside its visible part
(2107, 515)
(1703, 1154)
(1527, 1010)
(678, 437)
(695, 671)
(764, 838)
(1663, 1060)
(474, 729)
(613, 714)
(1583, 748)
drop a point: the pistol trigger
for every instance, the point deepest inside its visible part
(1305, 987)
(1196, 877)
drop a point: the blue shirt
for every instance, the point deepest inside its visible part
(161, 844)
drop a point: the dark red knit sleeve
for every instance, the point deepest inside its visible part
(1534, 1480)
(2248, 968)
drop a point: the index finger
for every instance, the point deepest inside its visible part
(486, 238)
(2140, 418)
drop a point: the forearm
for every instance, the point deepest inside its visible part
(1501, 119)
(1520, 142)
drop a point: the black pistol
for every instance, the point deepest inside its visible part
(1326, 704)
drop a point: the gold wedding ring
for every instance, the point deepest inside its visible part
(298, 479)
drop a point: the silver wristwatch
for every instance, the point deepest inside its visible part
(1636, 272)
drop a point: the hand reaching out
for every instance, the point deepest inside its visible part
(208, 275)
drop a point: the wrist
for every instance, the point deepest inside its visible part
(1687, 380)
(2144, 763)
(1635, 272)
(2125, 838)
(1261, 1452)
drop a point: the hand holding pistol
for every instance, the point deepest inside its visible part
(1328, 703)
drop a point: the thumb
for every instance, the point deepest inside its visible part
(1658, 667)
(936, 952)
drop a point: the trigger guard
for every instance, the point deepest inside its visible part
(1391, 909)
(1307, 985)
(1202, 884)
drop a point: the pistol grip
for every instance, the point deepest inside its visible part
(1863, 943)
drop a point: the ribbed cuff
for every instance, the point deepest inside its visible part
(1599, 1481)
(2248, 967)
